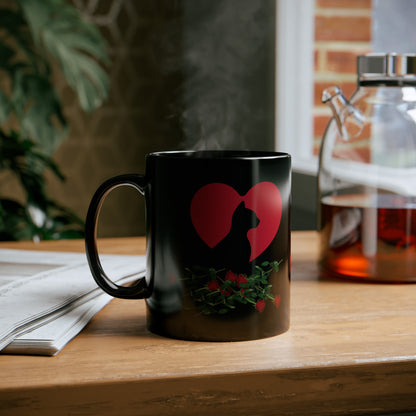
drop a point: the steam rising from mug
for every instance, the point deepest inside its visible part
(228, 88)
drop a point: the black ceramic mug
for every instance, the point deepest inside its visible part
(218, 244)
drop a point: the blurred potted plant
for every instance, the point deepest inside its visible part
(38, 37)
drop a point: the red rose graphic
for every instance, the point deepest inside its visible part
(241, 279)
(277, 301)
(260, 305)
(213, 285)
(232, 277)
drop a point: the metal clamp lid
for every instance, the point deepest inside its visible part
(409, 64)
(386, 66)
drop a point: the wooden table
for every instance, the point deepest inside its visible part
(351, 349)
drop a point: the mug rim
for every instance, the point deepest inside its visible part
(220, 154)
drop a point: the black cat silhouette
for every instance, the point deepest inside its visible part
(234, 250)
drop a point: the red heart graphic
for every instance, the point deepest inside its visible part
(213, 206)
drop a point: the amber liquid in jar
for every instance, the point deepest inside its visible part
(370, 238)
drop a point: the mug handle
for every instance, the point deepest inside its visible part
(140, 289)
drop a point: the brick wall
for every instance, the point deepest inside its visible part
(342, 32)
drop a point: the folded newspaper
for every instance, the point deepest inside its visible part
(46, 298)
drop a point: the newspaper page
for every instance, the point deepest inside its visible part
(46, 298)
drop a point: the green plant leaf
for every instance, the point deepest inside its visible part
(11, 23)
(59, 30)
(39, 111)
(13, 221)
(18, 40)
(4, 107)
(34, 33)
(39, 217)
(6, 56)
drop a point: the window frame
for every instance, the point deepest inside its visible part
(294, 83)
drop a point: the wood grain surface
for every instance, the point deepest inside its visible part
(351, 349)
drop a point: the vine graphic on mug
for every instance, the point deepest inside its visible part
(212, 210)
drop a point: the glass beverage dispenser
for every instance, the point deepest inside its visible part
(367, 174)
